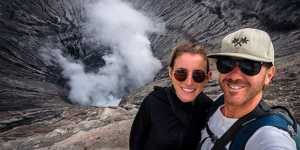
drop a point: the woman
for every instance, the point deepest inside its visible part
(171, 118)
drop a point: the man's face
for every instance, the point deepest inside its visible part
(241, 89)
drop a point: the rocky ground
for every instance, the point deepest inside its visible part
(34, 110)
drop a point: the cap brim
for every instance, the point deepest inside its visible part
(239, 55)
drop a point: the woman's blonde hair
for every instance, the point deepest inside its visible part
(188, 47)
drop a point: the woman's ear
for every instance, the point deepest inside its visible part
(209, 75)
(170, 72)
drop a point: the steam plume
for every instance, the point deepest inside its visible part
(131, 63)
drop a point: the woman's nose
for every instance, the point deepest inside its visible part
(189, 79)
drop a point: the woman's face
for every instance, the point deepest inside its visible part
(187, 89)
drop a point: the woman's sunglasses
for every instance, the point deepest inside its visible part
(181, 74)
(248, 67)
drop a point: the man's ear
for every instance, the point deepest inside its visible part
(270, 75)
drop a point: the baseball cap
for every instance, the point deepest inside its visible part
(247, 43)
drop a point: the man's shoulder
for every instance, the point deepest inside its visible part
(270, 137)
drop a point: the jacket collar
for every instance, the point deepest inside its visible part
(183, 111)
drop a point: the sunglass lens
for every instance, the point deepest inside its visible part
(180, 74)
(250, 67)
(225, 65)
(199, 76)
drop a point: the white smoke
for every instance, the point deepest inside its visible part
(125, 30)
(131, 63)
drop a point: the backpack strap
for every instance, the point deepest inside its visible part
(262, 115)
(290, 117)
(231, 133)
(276, 120)
(216, 104)
(220, 143)
(213, 108)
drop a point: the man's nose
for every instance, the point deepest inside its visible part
(235, 72)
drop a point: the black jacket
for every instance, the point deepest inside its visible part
(165, 123)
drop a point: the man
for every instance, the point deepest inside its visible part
(246, 66)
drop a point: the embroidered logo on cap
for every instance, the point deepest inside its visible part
(238, 42)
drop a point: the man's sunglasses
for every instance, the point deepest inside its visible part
(181, 74)
(248, 67)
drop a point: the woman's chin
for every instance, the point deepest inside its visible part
(187, 98)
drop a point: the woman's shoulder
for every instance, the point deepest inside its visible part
(204, 97)
(203, 100)
(158, 94)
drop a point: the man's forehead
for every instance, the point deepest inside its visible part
(234, 58)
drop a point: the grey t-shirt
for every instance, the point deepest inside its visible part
(265, 138)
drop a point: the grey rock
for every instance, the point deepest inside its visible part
(34, 110)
